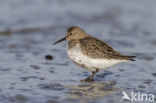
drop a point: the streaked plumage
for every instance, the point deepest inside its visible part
(90, 52)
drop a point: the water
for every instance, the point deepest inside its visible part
(29, 27)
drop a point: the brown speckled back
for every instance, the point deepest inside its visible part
(95, 48)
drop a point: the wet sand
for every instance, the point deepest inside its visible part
(32, 70)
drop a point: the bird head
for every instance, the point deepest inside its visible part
(73, 33)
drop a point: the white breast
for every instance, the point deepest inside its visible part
(91, 63)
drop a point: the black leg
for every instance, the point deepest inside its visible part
(91, 78)
(93, 74)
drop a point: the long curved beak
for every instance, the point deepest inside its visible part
(64, 38)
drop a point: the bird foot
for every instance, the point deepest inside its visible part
(89, 79)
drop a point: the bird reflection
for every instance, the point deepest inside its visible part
(91, 90)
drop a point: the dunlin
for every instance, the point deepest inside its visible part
(90, 52)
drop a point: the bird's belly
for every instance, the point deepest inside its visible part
(91, 63)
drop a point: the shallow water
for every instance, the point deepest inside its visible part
(29, 27)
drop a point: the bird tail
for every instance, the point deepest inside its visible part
(131, 58)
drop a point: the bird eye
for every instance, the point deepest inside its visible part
(70, 34)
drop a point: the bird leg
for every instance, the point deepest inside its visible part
(91, 78)
(93, 74)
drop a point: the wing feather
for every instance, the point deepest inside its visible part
(95, 48)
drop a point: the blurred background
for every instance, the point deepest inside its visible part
(32, 70)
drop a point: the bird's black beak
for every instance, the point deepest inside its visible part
(59, 40)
